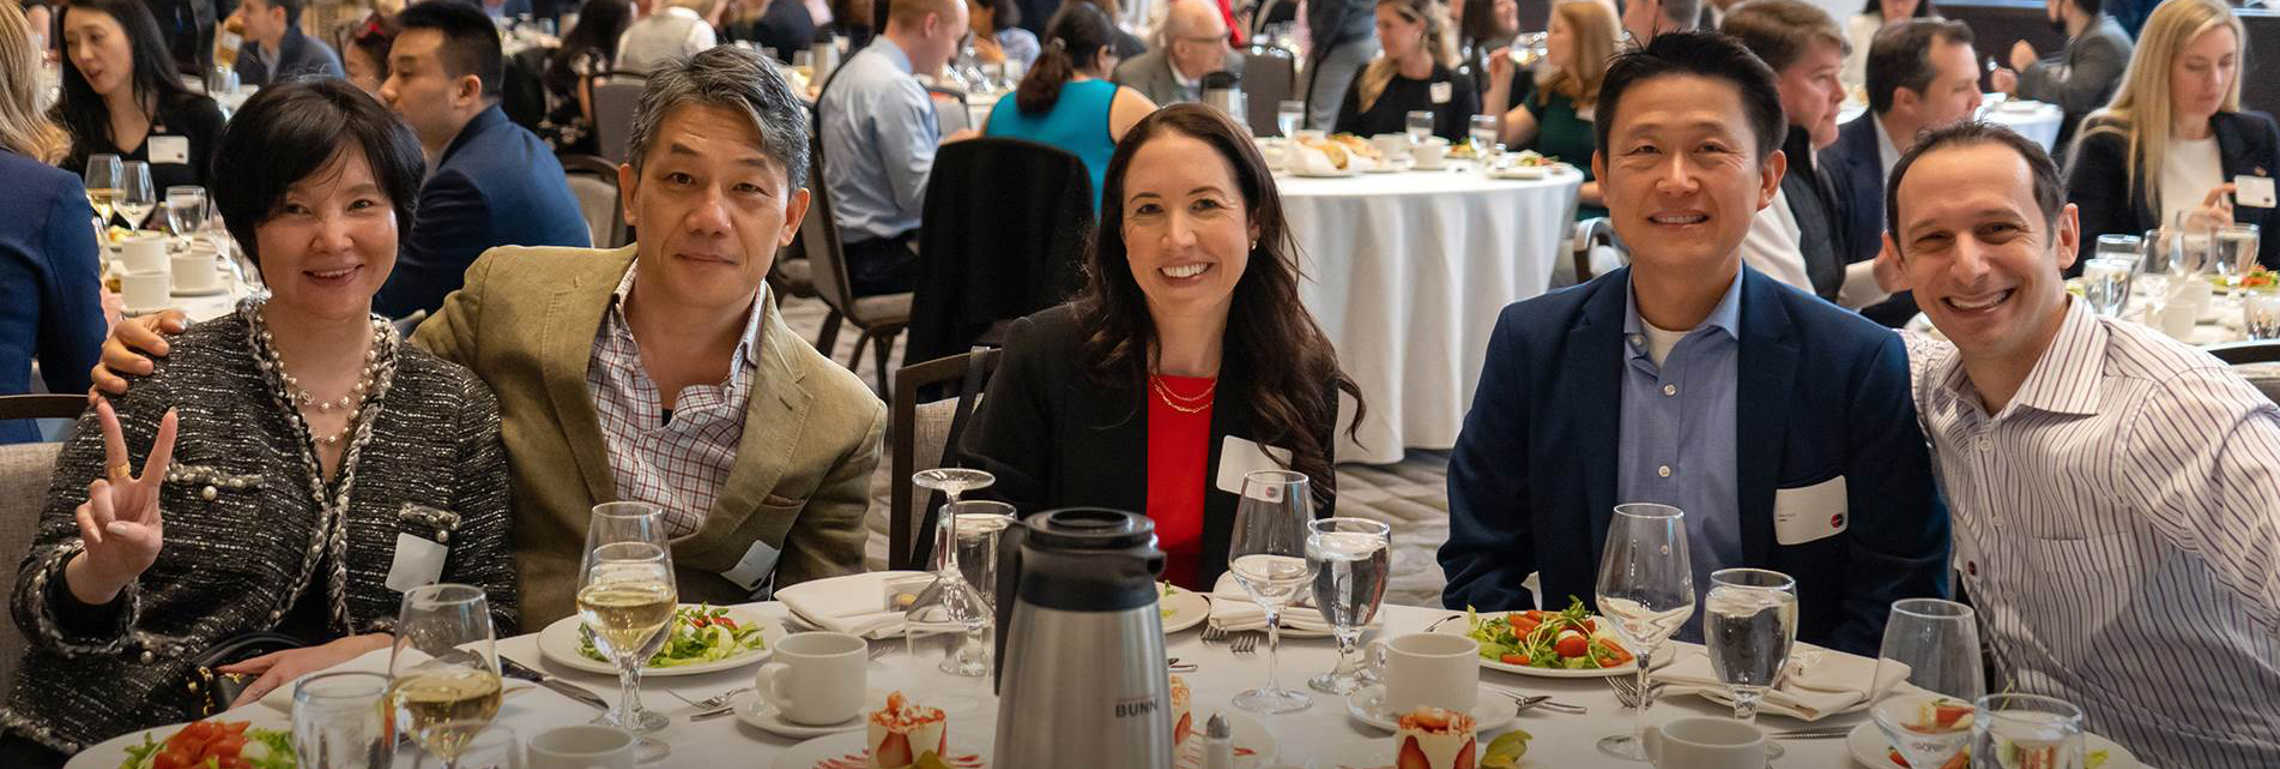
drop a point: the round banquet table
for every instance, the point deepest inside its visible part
(1406, 272)
(2033, 119)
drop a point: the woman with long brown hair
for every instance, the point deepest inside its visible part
(51, 303)
(1414, 71)
(1554, 116)
(1186, 360)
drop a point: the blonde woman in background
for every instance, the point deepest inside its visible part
(1414, 71)
(2174, 139)
(1554, 118)
(51, 304)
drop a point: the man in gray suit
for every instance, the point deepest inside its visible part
(1194, 44)
(2081, 79)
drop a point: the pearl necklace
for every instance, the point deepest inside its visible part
(302, 399)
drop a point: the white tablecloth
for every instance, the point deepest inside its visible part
(1323, 733)
(2033, 119)
(1406, 273)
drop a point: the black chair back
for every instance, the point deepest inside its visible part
(1003, 233)
(1270, 77)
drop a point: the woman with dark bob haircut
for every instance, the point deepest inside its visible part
(263, 475)
(1186, 351)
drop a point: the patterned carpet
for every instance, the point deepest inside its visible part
(1410, 496)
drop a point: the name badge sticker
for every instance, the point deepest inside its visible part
(2254, 191)
(419, 561)
(758, 562)
(1441, 92)
(1238, 457)
(169, 149)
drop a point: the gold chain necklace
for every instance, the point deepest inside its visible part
(1185, 404)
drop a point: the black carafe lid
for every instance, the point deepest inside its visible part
(1089, 559)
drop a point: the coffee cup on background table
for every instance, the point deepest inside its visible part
(1705, 743)
(1431, 155)
(582, 747)
(145, 291)
(818, 678)
(143, 253)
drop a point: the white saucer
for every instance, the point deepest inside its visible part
(755, 711)
(1493, 711)
(214, 291)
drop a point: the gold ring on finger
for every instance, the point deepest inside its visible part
(121, 471)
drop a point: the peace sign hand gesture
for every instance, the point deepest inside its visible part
(120, 526)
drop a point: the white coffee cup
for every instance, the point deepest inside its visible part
(817, 678)
(194, 272)
(1705, 743)
(1433, 669)
(1392, 146)
(146, 291)
(582, 747)
(1432, 155)
(143, 253)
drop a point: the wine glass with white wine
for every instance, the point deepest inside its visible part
(1646, 585)
(444, 671)
(626, 595)
(102, 181)
(136, 197)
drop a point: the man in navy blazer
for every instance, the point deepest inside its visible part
(1779, 423)
(1922, 74)
(492, 183)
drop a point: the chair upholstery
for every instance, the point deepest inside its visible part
(881, 318)
(949, 110)
(24, 472)
(919, 436)
(929, 431)
(613, 115)
(594, 182)
(1270, 77)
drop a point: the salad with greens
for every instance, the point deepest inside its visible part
(214, 745)
(1569, 639)
(700, 633)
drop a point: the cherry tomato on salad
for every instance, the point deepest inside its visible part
(172, 759)
(1572, 646)
(1515, 659)
(227, 745)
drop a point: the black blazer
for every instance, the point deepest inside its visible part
(2098, 182)
(1055, 438)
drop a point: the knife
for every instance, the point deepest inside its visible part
(1813, 734)
(519, 671)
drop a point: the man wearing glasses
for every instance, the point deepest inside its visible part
(1194, 45)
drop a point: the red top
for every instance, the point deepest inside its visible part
(1234, 32)
(1179, 452)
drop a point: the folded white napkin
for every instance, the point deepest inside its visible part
(852, 604)
(1233, 610)
(1819, 683)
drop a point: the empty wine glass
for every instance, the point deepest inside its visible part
(2026, 730)
(185, 209)
(1646, 586)
(1933, 645)
(340, 721)
(1352, 560)
(1749, 626)
(949, 604)
(102, 181)
(1268, 558)
(136, 197)
(444, 670)
(627, 595)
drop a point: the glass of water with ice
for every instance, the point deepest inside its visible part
(1749, 625)
(2106, 284)
(2026, 730)
(2260, 316)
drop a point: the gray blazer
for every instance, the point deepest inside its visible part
(2082, 78)
(1151, 74)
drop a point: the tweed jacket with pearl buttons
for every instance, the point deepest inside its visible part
(249, 525)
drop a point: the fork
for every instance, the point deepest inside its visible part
(1246, 642)
(1545, 701)
(1627, 690)
(1213, 634)
(713, 705)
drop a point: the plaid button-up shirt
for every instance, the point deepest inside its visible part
(676, 460)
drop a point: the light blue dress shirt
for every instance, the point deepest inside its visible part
(1677, 440)
(879, 137)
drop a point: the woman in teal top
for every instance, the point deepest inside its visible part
(1067, 100)
(1554, 118)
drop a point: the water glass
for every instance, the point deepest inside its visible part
(1352, 560)
(2026, 730)
(497, 747)
(950, 605)
(444, 669)
(627, 596)
(2106, 284)
(1420, 125)
(340, 721)
(1268, 558)
(1646, 586)
(185, 209)
(1290, 115)
(973, 542)
(1749, 627)
(2234, 253)
(2152, 274)
(2260, 316)
(1936, 643)
(1483, 133)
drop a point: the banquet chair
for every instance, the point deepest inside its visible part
(881, 318)
(595, 183)
(1595, 250)
(950, 114)
(923, 435)
(23, 495)
(613, 113)
(1270, 76)
(1001, 236)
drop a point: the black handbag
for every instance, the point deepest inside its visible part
(215, 690)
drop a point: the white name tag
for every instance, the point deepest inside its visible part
(169, 149)
(1810, 513)
(2253, 191)
(758, 562)
(419, 561)
(1238, 456)
(1442, 91)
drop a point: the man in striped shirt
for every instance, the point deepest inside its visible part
(2115, 494)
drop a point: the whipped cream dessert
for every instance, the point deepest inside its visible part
(901, 732)
(1183, 724)
(1433, 738)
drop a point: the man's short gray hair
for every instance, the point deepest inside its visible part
(734, 79)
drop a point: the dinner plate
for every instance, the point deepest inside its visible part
(559, 643)
(111, 753)
(1311, 173)
(1183, 610)
(1871, 749)
(1254, 745)
(1460, 628)
(1366, 705)
(972, 741)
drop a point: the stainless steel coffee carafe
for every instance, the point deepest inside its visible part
(1081, 675)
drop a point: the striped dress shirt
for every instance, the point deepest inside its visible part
(2118, 525)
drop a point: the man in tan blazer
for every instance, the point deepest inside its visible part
(716, 143)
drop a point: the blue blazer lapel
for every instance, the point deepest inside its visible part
(1591, 387)
(1767, 370)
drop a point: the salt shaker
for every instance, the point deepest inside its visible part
(1218, 744)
